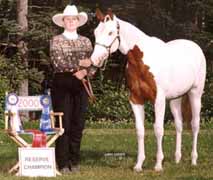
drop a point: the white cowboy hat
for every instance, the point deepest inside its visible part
(70, 11)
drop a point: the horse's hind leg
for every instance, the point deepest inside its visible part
(139, 123)
(175, 106)
(195, 101)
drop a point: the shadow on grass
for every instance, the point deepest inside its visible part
(112, 160)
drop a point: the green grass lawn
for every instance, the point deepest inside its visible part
(95, 165)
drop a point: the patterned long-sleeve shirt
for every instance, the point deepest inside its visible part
(65, 54)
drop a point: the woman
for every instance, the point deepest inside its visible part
(68, 93)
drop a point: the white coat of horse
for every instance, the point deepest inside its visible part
(178, 67)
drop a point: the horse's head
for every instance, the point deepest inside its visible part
(107, 39)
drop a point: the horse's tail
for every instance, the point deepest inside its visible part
(186, 111)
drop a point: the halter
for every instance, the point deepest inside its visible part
(109, 46)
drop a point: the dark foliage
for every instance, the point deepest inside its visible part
(166, 19)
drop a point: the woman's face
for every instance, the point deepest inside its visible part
(71, 23)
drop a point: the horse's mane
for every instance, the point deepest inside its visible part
(131, 32)
(134, 36)
(140, 81)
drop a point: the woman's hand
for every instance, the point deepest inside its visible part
(80, 74)
(85, 62)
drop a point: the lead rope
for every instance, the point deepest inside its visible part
(88, 88)
(105, 62)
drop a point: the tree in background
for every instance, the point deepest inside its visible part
(22, 12)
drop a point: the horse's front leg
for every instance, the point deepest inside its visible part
(158, 127)
(139, 123)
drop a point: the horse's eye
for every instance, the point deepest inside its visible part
(110, 33)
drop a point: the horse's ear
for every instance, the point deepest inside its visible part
(110, 13)
(99, 15)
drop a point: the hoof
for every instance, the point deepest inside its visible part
(137, 169)
(177, 160)
(194, 163)
(158, 168)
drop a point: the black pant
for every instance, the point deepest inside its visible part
(69, 96)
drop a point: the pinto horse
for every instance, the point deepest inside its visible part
(167, 70)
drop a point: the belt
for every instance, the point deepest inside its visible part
(67, 71)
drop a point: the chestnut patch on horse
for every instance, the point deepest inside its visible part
(139, 80)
